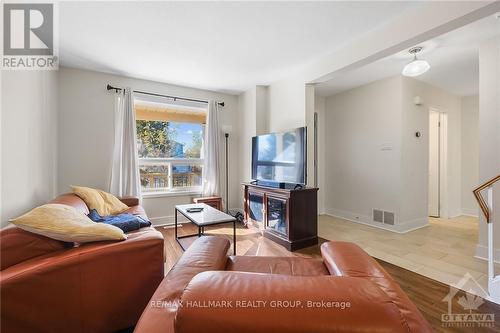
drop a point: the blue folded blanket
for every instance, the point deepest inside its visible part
(126, 222)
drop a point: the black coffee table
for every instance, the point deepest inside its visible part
(207, 217)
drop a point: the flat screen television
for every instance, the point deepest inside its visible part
(280, 157)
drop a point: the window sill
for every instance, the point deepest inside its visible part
(148, 195)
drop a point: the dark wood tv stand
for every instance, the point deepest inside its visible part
(288, 217)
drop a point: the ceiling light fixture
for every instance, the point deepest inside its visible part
(416, 67)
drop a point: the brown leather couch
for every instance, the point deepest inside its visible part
(51, 286)
(207, 291)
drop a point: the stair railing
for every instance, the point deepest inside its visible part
(487, 209)
(482, 203)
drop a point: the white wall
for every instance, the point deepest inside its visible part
(247, 128)
(287, 104)
(363, 151)
(320, 109)
(374, 159)
(415, 151)
(28, 141)
(86, 133)
(261, 110)
(470, 153)
(489, 135)
(310, 109)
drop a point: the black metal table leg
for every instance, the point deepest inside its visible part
(175, 219)
(176, 235)
(234, 237)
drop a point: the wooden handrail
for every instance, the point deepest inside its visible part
(482, 204)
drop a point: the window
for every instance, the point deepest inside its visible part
(170, 147)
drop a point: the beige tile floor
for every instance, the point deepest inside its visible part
(443, 250)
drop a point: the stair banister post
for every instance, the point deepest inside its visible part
(491, 259)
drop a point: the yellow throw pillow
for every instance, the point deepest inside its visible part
(65, 223)
(105, 203)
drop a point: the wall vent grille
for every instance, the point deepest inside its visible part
(383, 216)
(378, 215)
(389, 218)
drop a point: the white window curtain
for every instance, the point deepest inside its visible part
(211, 167)
(125, 180)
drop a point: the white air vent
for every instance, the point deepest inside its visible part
(389, 218)
(378, 216)
(383, 216)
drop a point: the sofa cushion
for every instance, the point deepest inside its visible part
(105, 203)
(277, 265)
(66, 224)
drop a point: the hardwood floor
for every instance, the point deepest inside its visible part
(444, 250)
(426, 293)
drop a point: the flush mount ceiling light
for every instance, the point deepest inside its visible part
(416, 67)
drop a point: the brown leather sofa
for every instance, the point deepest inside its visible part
(51, 286)
(207, 291)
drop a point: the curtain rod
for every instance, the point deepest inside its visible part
(116, 89)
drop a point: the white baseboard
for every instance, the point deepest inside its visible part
(482, 253)
(415, 224)
(398, 227)
(161, 221)
(470, 212)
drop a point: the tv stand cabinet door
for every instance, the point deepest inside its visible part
(277, 215)
(255, 211)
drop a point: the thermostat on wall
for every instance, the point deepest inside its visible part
(417, 100)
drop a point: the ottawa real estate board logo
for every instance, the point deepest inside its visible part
(29, 36)
(467, 307)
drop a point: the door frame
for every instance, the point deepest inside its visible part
(443, 161)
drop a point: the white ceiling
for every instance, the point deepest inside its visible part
(222, 46)
(454, 60)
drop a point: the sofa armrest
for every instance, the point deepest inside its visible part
(252, 302)
(17, 245)
(207, 253)
(97, 287)
(130, 201)
(349, 260)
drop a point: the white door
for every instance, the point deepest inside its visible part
(434, 152)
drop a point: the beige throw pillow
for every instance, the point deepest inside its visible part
(65, 223)
(105, 203)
